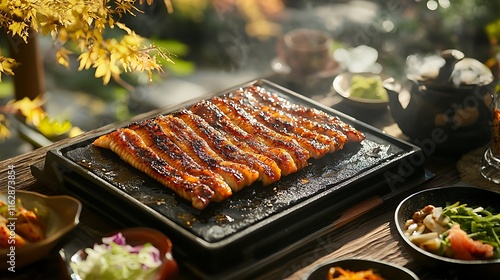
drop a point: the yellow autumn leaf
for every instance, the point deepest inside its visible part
(4, 5)
(34, 116)
(75, 131)
(30, 109)
(132, 39)
(63, 35)
(94, 55)
(7, 64)
(120, 50)
(4, 128)
(106, 78)
(123, 27)
(84, 61)
(114, 69)
(4, 131)
(101, 70)
(62, 56)
(17, 12)
(26, 105)
(51, 128)
(17, 28)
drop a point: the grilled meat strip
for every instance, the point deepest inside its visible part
(269, 171)
(307, 139)
(315, 148)
(274, 100)
(130, 148)
(306, 128)
(235, 174)
(155, 138)
(220, 121)
(243, 119)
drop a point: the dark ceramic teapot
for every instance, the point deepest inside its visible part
(445, 106)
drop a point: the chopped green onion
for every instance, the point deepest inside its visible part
(479, 223)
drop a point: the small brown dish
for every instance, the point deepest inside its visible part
(138, 236)
(383, 269)
(448, 267)
(61, 215)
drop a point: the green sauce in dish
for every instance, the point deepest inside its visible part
(367, 87)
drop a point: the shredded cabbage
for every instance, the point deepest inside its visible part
(115, 259)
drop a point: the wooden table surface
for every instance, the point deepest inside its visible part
(370, 235)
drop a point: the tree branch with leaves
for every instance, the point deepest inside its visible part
(82, 27)
(76, 26)
(82, 24)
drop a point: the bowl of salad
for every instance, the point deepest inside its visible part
(32, 225)
(130, 253)
(454, 230)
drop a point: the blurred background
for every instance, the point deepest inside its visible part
(217, 44)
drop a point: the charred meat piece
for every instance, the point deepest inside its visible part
(235, 174)
(316, 146)
(130, 148)
(274, 100)
(220, 121)
(155, 138)
(248, 123)
(306, 128)
(269, 171)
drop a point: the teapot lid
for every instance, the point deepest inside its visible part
(450, 68)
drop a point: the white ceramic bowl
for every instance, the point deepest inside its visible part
(342, 84)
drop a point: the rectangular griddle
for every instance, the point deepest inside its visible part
(254, 224)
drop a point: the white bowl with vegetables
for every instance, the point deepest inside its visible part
(131, 253)
(454, 230)
(32, 225)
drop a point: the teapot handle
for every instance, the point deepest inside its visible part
(451, 57)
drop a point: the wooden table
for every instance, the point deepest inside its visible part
(366, 235)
